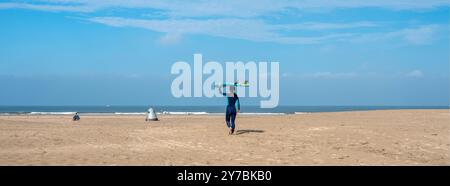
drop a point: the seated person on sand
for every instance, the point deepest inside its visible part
(76, 117)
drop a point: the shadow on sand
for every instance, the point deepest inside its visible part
(239, 132)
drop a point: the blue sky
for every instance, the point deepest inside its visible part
(79, 52)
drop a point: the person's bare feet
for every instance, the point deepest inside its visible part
(231, 131)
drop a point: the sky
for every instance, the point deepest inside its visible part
(119, 52)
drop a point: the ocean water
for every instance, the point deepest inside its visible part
(187, 110)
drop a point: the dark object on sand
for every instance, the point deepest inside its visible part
(76, 117)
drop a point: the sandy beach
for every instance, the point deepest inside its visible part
(388, 137)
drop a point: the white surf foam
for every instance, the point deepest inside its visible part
(130, 113)
(184, 113)
(300, 113)
(262, 114)
(52, 113)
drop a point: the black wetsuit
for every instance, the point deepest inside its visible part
(230, 114)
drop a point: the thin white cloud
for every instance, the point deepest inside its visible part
(349, 75)
(322, 75)
(258, 30)
(389, 4)
(415, 74)
(247, 29)
(329, 75)
(47, 7)
(239, 19)
(418, 35)
(233, 8)
(231, 28)
(170, 39)
(325, 26)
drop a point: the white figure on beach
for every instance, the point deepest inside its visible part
(151, 115)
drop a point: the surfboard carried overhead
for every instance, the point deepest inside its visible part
(236, 84)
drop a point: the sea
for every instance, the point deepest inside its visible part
(189, 110)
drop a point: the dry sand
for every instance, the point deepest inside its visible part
(390, 137)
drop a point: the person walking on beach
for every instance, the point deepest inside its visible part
(231, 112)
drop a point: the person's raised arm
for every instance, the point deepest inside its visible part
(221, 92)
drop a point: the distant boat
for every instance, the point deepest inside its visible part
(108, 105)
